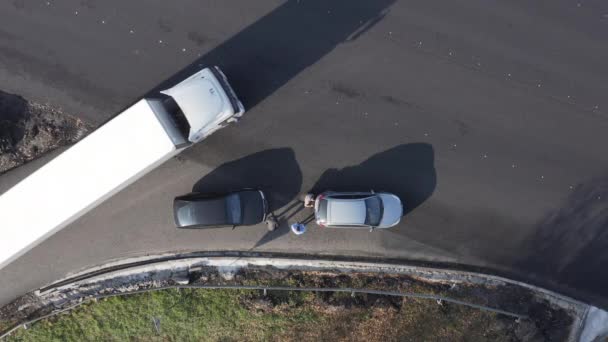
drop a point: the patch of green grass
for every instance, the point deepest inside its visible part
(4, 325)
(244, 315)
(180, 315)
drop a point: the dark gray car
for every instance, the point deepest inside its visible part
(239, 208)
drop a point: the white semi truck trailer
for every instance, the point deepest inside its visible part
(113, 156)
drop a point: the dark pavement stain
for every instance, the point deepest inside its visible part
(19, 4)
(198, 38)
(395, 101)
(345, 91)
(165, 26)
(463, 128)
(90, 4)
(392, 100)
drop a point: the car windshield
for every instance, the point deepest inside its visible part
(373, 207)
(322, 210)
(233, 209)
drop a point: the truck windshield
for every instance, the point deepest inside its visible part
(177, 116)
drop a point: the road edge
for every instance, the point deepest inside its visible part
(176, 268)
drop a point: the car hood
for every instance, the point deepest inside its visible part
(393, 210)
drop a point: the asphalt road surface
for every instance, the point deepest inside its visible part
(489, 119)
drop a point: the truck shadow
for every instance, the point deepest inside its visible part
(570, 244)
(267, 54)
(407, 171)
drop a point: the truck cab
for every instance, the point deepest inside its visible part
(206, 101)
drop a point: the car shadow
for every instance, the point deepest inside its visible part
(274, 171)
(406, 170)
(268, 53)
(570, 244)
(13, 115)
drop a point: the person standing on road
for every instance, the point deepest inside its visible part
(298, 228)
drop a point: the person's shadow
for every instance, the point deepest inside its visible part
(406, 170)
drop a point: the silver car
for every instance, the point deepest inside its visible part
(357, 210)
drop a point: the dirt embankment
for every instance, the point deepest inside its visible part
(28, 130)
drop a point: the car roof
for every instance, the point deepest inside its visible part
(346, 211)
(212, 209)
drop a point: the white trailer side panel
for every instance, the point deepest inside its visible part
(101, 164)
